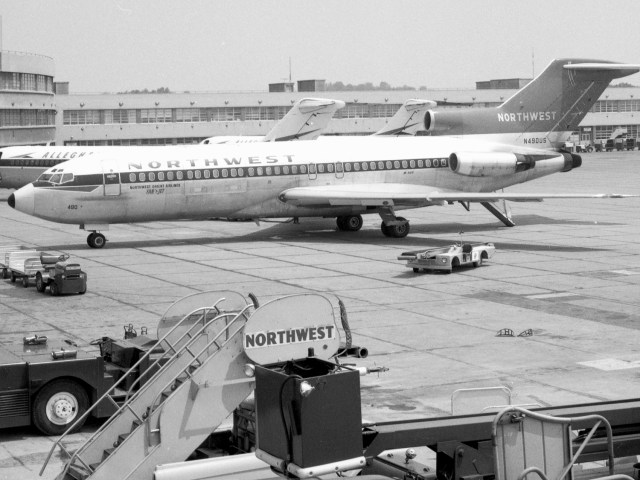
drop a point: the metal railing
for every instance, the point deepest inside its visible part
(108, 394)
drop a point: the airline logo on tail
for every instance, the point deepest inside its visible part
(526, 116)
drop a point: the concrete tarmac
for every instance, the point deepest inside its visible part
(569, 272)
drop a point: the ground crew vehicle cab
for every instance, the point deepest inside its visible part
(50, 384)
(63, 278)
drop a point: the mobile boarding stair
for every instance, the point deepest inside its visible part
(198, 381)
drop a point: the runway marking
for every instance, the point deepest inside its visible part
(610, 364)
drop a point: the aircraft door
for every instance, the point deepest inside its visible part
(339, 170)
(313, 171)
(111, 181)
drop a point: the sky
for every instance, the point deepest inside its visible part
(243, 45)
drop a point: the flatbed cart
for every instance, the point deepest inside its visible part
(5, 248)
(20, 264)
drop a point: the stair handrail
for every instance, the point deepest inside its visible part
(126, 404)
(153, 406)
(176, 353)
(107, 394)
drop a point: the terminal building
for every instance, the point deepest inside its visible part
(36, 110)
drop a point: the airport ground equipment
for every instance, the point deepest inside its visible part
(187, 391)
(5, 248)
(14, 262)
(447, 258)
(62, 278)
(49, 384)
(27, 265)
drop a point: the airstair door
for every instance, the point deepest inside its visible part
(111, 181)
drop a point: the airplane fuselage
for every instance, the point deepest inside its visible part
(244, 181)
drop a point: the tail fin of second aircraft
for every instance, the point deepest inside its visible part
(306, 120)
(558, 99)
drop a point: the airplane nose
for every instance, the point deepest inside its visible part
(23, 199)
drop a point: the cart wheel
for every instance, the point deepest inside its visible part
(478, 263)
(13, 277)
(53, 289)
(40, 285)
(5, 273)
(57, 405)
(25, 282)
(415, 270)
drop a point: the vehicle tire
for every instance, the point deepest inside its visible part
(5, 273)
(13, 277)
(25, 282)
(385, 230)
(40, 285)
(57, 405)
(589, 149)
(415, 270)
(400, 231)
(477, 263)
(350, 223)
(96, 240)
(455, 263)
(53, 289)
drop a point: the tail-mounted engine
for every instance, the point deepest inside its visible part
(493, 164)
(440, 122)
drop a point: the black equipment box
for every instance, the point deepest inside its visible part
(317, 428)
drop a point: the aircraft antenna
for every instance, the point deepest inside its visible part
(533, 65)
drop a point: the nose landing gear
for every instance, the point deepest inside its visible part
(96, 240)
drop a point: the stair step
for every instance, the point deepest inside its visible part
(121, 438)
(107, 452)
(135, 424)
(94, 466)
(76, 473)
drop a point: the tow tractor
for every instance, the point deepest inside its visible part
(447, 258)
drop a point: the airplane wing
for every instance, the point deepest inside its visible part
(408, 119)
(390, 194)
(306, 120)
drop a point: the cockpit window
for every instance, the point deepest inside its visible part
(56, 178)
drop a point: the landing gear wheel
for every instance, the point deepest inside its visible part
(396, 231)
(57, 405)
(96, 240)
(53, 289)
(349, 223)
(40, 285)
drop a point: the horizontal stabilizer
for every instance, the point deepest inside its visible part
(613, 70)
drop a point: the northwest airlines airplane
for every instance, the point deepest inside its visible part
(341, 177)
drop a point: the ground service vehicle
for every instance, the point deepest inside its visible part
(51, 383)
(27, 264)
(447, 258)
(63, 278)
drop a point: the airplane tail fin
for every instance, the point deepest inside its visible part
(558, 99)
(408, 119)
(307, 118)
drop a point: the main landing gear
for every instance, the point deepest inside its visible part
(392, 226)
(349, 223)
(399, 229)
(96, 240)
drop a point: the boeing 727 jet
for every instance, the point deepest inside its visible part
(342, 177)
